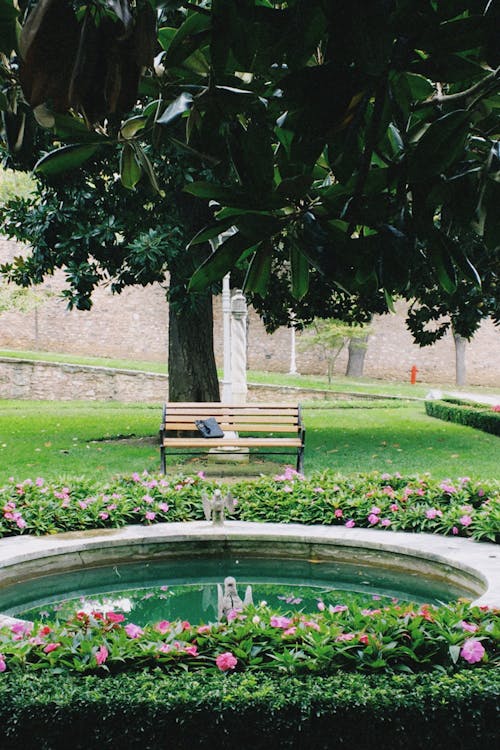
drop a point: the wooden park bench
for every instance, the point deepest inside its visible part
(276, 428)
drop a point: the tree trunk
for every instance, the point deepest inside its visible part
(192, 374)
(357, 353)
(460, 370)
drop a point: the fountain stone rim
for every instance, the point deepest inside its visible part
(474, 563)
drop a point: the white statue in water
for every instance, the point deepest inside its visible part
(214, 508)
(229, 599)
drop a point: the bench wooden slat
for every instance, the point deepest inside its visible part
(276, 425)
(292, 419)
(241, 442)
(234, 427)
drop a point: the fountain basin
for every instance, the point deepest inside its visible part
(468, 566)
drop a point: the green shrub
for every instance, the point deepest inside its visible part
(479, 416)
(385, 501)
(152, 711)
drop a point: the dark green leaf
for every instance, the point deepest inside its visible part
(222, 260)
(186, 40)
(211, 232)
(182, 104)
(259, 270)
(130, 170)
(299, 271)
(132, 126)
(65, 158)
(440, 146)
(146, 165)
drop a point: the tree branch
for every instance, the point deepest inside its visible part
(478, 88)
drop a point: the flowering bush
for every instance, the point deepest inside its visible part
(461, 507)
(406, 638)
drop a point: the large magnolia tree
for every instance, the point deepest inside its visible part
(361, 138)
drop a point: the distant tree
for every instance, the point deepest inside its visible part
(328, 338)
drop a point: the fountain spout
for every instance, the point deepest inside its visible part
(214, 508)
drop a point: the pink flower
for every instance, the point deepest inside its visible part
(345, 637)
(465, 520)
(149, 515)
(337, 608)
(287, 488)
(472, 650)
(162, 626)
(318, 489)
(338, 513)
(51, 647)
(133, 631)
(496, 407)
(101, 655)
(39, 482)
(201, 474)
(20, 629)
(350, 524)
(191, 650)
(454, 530)
(394, 507)
(375, 510)
(103, 515)
(385, 522)
(310, 624)
(114, 617)
(373, 519)
(226, 661)
(280, 622)
(468, 626)
(290, 631)
(163, 507)
(321, 605)
(432, 513)
(204, 629)
(148, 499)
(363, 638)
(3, 665)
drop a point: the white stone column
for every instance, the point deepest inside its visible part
(293, 361)
(239, 347)
(227, 390)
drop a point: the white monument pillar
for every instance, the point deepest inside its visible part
(227, 390)
(239, 347)
(293, 361)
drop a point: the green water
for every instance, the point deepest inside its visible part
(187, 589)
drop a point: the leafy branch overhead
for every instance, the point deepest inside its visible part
(363, 137)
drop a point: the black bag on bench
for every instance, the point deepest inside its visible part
(209, 428)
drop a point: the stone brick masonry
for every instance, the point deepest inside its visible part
(134, 325)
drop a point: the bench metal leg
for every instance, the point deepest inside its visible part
(300, 460)
(163, 460)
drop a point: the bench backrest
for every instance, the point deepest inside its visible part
(236, 417)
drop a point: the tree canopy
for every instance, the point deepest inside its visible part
(360, 138)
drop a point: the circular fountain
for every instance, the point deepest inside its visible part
(445, 567)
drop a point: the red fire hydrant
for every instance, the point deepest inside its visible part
(413, 376)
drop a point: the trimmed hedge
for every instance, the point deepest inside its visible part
(152, 711)
(475, 415)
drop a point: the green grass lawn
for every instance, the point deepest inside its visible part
(68, 439)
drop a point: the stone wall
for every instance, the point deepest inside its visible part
(134, 325)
